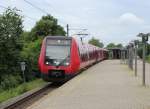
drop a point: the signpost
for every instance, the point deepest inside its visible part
(23, 67)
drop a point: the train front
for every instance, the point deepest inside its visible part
(55, 58)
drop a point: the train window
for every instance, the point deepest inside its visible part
(58, 51)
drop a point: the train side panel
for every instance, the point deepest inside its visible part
(75, 58)
(81, 56)
(42, 56)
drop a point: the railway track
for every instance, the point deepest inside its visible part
(25, 100)
(28, 98)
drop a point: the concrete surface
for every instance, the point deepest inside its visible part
(107, 85)
(140, 72)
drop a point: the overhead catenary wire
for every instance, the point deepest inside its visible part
(41, 10)
(34, 6)
(54, 9)
(38, 8)
(34, 19)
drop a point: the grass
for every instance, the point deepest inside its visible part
(7, 94)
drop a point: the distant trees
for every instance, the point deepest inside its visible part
(96, 42)
(17, 45)
(119, 45)
(112, 45)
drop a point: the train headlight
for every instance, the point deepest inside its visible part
(66, 63)
(47, 63)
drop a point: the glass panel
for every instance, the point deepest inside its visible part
(57, 52)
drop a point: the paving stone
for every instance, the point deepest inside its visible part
(107, 85)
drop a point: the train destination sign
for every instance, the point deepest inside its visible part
(58, 42)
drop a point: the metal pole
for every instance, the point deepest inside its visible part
(135, 60)
(24, 80)
(144, 63)
(121, 57)
(23, 67)
(124, 56)
(129, 57)
(67, 30)
(132, 57)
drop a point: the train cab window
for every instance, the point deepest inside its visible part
(57, 52)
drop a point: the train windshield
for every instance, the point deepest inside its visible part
(57, 52)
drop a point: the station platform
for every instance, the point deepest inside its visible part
(106, 85)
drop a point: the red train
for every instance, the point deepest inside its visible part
(62, 57)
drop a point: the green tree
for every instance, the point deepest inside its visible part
(96, 42)
(25, 37)
(10, 32)
(30, 54)
(47, 25)
(111, 45)
(119, 46)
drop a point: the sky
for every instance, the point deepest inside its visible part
(117, 21)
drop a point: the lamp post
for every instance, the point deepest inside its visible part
(131, 55)
(127, 60)
(135, 56)
(144, 40)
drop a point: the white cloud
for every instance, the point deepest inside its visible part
(130, 18)
(108, 20)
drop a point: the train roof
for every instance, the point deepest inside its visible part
(78, 41)
(58, 37)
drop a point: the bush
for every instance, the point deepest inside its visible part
(20, 89)
(30, 54)
(10, 81)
